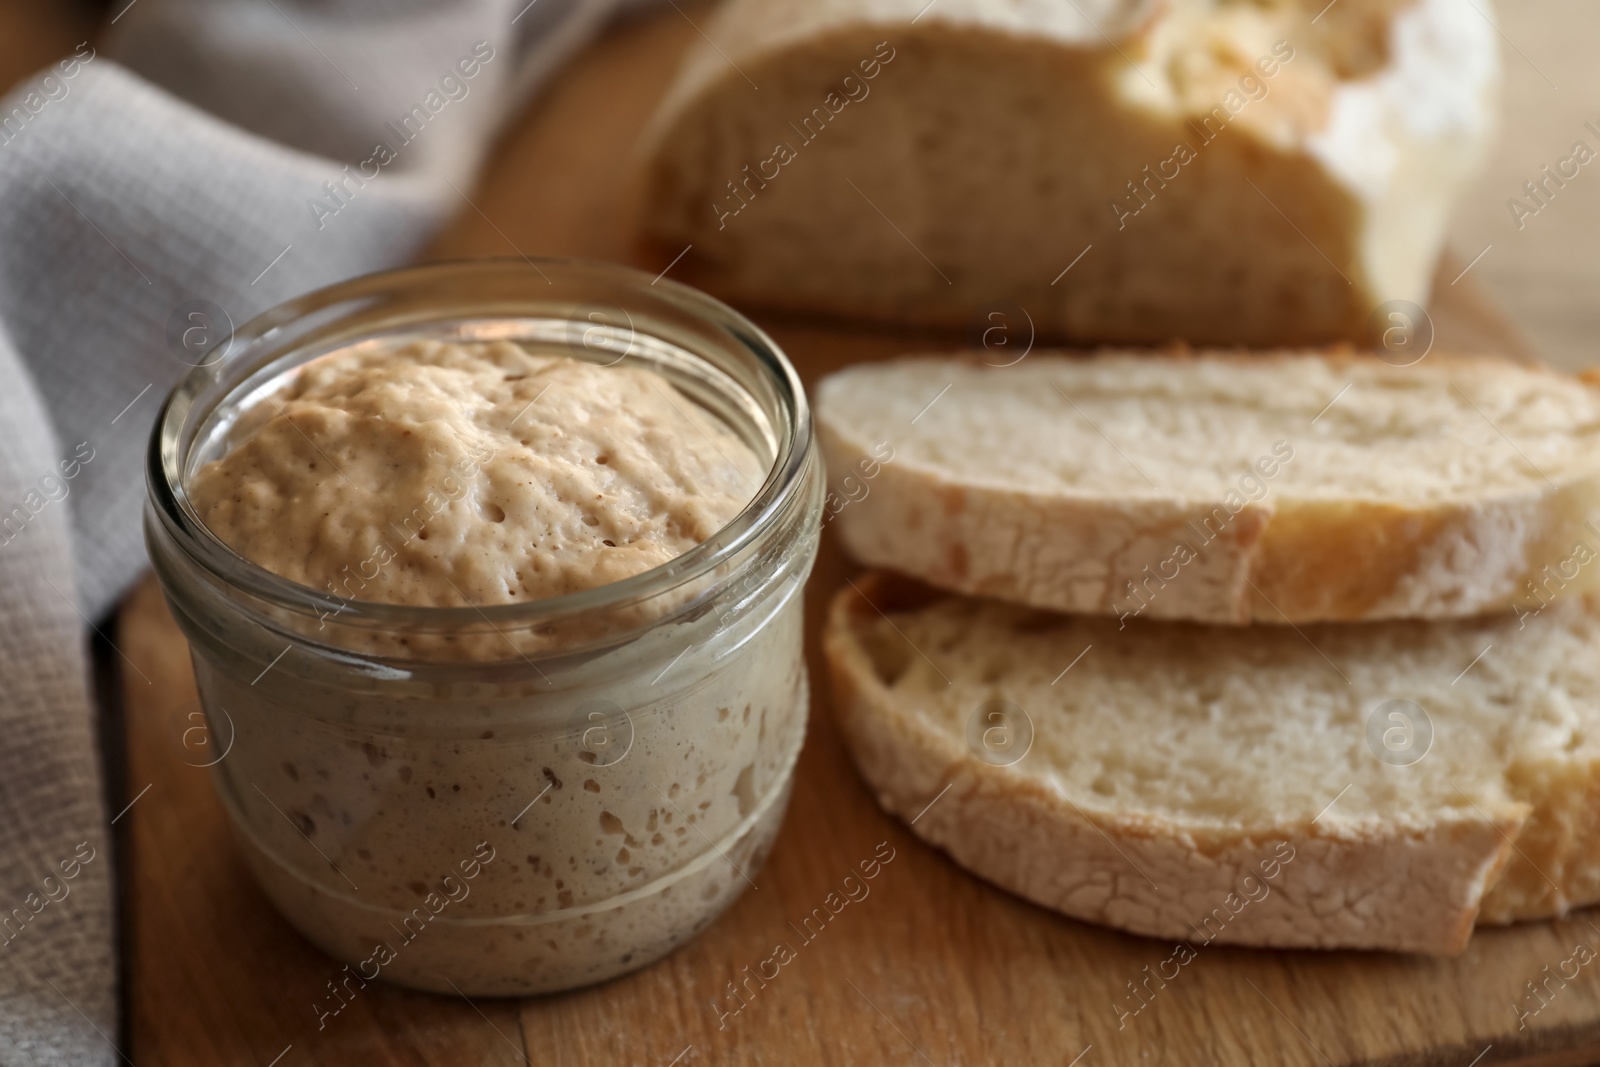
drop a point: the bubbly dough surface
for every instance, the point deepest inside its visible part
(439, 474)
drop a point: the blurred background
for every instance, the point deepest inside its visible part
(1545, 275)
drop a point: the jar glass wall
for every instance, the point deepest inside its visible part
(511, 798)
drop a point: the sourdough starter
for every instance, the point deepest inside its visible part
(472, 831)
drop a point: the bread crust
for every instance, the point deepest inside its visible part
(979, 239)
(1317, 560)
(1391, 888)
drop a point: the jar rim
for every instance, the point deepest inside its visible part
(250, 348)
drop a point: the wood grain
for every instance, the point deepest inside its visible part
(932, 966)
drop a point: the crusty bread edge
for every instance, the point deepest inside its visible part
(1344, 886)
(757, 35)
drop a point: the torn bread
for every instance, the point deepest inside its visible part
(1259, 787)
(1222, 171)
(1222, 488)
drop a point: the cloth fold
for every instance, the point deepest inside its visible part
(213, 156)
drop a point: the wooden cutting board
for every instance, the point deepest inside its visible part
(932, 967)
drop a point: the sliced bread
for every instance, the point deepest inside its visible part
(1377, 785)
(1222, 171)
(1222, 488)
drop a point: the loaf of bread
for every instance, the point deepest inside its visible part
(1223, 171)
(1289, 487)
(1375, 785)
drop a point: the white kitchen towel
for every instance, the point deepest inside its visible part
(226, 152)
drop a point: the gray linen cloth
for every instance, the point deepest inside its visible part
(224, 151)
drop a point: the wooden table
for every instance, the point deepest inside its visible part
(933, 967)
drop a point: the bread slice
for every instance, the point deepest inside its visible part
(1221, 171)
(1254, 787)
(1222, 488)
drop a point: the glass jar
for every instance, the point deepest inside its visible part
(516, 798)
